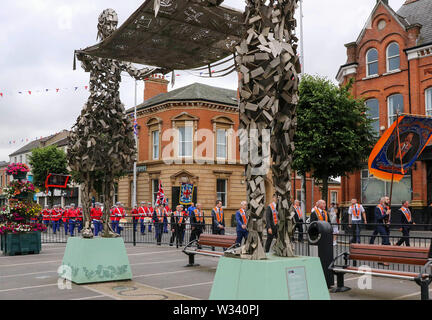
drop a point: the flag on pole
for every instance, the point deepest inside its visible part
(135, 127)
(160, 195)
(411, 134)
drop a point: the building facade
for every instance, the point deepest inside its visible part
(4, 181)
(391, 65)
(189, 135)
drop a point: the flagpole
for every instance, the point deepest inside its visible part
(134, 194)
(394, 156)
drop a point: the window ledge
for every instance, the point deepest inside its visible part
(371, 77)
(392, 72)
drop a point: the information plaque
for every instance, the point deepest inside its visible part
(297, 284)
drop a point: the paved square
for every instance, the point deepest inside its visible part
(159, 273)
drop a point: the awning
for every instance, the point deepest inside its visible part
(183, 36)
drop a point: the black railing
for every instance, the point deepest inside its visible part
(133, 235)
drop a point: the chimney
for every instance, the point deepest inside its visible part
(154, 86)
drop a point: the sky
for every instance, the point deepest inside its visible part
(38, 38)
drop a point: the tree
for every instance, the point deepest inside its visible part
(45, 161)
(334, 134)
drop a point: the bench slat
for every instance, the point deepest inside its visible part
(375, 258)
(215, 240)
(396, 273)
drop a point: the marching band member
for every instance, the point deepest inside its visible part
(55, 217)
(142, 212)
(72, 215)
(96, 215)
(46, 216)
(65, 219)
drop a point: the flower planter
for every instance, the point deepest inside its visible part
(21, 243)
(20, 176)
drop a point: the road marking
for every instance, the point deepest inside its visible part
(88, 298)
(156, 262)
(171, 292)
(409, 295)
(147, 253)
(28, 263)
(27, 274)
(102, 293)
(189, 285)
(25, 288)
(165, 273)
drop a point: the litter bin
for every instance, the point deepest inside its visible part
(320, 237)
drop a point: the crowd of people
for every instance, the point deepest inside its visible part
(162, 219)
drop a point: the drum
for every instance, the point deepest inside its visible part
(122, 223)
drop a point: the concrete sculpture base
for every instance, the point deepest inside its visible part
(95, 260)
(299, 278)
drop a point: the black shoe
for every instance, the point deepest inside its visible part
(171, 244)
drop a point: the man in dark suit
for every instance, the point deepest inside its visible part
(242, 221)
(218, 220)
(272, 220)
(178, 224)
(158, 219)
(382, 214)
(299, 219)
(197, 222)
(406, 222)
(319, 213)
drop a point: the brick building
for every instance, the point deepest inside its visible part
(190, 135)
(391, 63)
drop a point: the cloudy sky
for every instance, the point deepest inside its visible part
(38, 38)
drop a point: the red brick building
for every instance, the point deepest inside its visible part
(4, 181)
(391, 63)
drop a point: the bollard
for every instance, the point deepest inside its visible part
(320, 234)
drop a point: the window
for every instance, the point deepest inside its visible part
(428, 94)
(395, 104)
(20, 159)
(185, 141)
(155, 190)
(373, 189)
(373, 113)
(221, 189)
(221, 143)
(155, 142)
(372, 62)
(333, 197)
(393, 57)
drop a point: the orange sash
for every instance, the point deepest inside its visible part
(275, 213)
(198, 216)
(407, 213)
(355, 210)
(243, 215)
(299, 212)
(219, 214)
(319, 215)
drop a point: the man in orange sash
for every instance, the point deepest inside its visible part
(197, 222)
(299, 218)
(406, 222)
(356, 212)
(319, 213)
(242, 221)
(272, 220)
(218, 220)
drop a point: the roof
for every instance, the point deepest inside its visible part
(193, 92)
(184, 35)
(420, 12)
(39, 143)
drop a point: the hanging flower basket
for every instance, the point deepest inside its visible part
(17, 169)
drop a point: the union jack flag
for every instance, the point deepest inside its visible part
(160, 195)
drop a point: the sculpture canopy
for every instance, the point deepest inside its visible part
(183, 36)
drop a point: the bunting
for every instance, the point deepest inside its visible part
(5, 93)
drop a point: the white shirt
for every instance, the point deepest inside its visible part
(359, 209)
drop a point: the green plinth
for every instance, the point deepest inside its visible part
(95, 260)
(299, 278)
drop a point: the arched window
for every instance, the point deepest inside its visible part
(395, 104)
(393, 57)
(373, 113)
(428, 94)
(372, 62)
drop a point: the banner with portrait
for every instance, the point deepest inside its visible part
(399, 147)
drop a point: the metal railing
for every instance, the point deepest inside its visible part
(131, 233)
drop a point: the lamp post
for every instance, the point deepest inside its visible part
(134, 193)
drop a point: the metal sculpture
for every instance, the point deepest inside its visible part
(101, 144)
(268, 83)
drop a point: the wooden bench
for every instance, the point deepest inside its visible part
(211, 240)
(386, 254)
